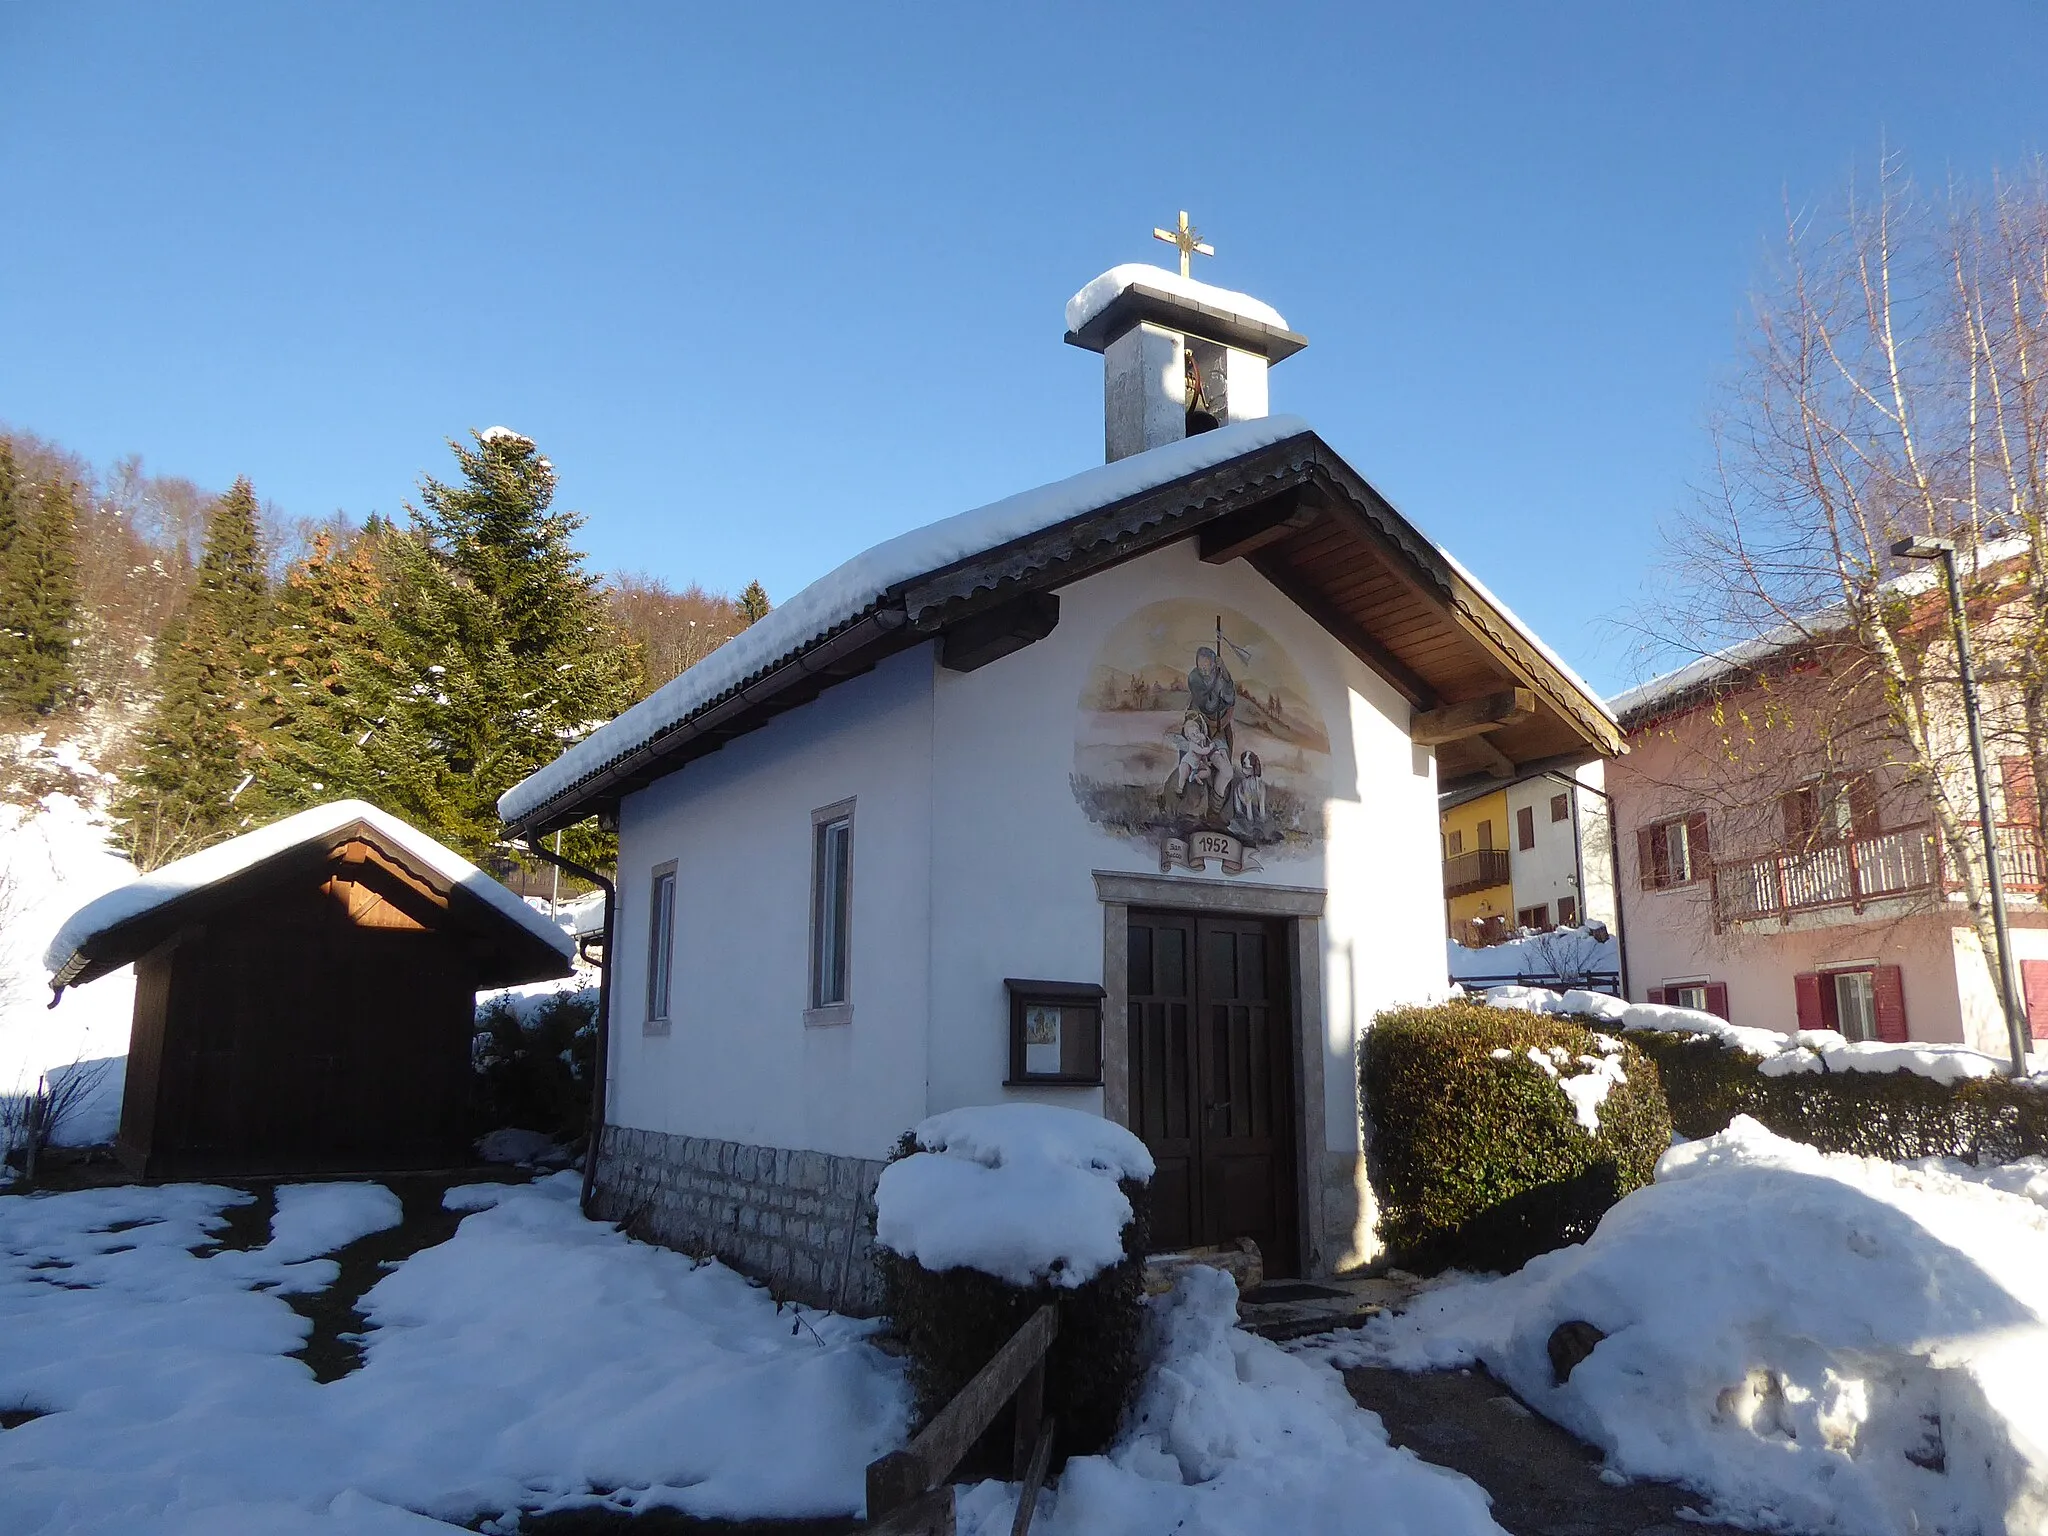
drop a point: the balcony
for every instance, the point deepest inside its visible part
(1883, 866)
(1465, 873)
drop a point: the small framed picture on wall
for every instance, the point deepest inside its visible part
(1055, 1032)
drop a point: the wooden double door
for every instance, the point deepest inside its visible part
(1212, 1080)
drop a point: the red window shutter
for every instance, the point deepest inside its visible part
(1646, 857)
(1807, 993)
(2021, 805)
(1888, 989)
(1863, 818)
(1717, 999)
(1696, 845)
(1656, 995)
(1525, 827)
(1796, 806)
(2034, 983)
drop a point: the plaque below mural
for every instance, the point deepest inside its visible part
(1197, 734)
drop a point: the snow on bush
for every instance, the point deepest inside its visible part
(1560, 954)
(529, 1360)
(1819, 1342)
(1779, 1055)
(1232, 1434)
(1586, 1090)
(1024, 1192)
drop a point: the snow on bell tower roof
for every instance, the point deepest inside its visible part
(1135, 292)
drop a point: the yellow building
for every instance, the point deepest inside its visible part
(1476, 879)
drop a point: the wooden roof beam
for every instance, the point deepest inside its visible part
(1346, 631)
(1234, 538)
(1474, 717)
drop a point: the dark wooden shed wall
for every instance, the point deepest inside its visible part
(321, 1027)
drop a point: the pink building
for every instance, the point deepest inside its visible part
(1778, 869)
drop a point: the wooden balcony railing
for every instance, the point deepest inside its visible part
(1475, 871)
(1881, 866)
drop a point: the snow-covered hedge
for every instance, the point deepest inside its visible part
(1498, 1134)
(988, 1213)
(1869, 1098)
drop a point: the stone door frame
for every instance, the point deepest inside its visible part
(1301, 908)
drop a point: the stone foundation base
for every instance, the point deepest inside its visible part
(801, 1221)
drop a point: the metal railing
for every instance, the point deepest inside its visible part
(1475, 871)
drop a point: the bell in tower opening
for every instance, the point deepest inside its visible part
(1208, 380)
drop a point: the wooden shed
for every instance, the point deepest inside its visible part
(305, 996)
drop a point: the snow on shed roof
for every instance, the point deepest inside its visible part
(844, 594)
(1102, 292)
(223, 861)
(1669, 687)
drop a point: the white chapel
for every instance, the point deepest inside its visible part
(1118, 794)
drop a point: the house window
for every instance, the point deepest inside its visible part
(1567, 912)
(1533, 917)
(1855, 1005)
(1525, 827)
(2022, 808)
(1672, 852)
(1697, 993)
(1457, 842)
(1829, 810)
(1560, 807)
(831, 914)
(661, 946)
(1693, 996)
(1863, 1002)
(1486, 834)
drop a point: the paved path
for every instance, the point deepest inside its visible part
(1543, 1481)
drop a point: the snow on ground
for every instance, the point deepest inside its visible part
(1535, 954)
(313, 1219)
(1024, 1192)
(1232, 1434)
(1813, 1341)
(529, 1359)
(54, 857)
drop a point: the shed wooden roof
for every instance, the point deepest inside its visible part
(507, 940)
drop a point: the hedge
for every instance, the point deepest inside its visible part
(533, 1072)
(953, 1321)
(1481, 1161)
(1897, 1116)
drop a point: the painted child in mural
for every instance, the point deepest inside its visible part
(1207, 739)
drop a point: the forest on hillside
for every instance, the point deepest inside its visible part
(229, 663)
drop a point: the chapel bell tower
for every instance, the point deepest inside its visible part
(1179, 357)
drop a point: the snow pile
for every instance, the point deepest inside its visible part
(843, 595)
(1231, 1434)
(1818, 1342)
(530, 1359)
(1586, 1090)
(2027, 1178)
(1099, 294)
(55, 855)
(222, 861)
(1536, 954)
(1024, 1192)
(1823, 1050)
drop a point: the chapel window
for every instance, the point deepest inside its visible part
(661, 944)
(831, 913)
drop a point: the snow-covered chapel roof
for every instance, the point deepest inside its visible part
(896, 588)
(105, 933)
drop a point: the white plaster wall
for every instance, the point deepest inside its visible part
(1013, 855)
(738, 1061)
(1550, 869)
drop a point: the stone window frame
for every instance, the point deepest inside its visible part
(821, 1014)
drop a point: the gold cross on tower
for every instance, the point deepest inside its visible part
(1185, 239)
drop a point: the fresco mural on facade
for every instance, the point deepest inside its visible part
(1197, 735)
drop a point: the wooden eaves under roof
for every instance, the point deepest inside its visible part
(1483, 694)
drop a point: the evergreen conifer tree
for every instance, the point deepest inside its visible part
(196, 749)
(327, 687)
(504, 653)
(38, 589)
(754, 604)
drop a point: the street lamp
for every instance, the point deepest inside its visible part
(1944, 550)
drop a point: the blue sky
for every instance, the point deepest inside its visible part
(773, 283)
